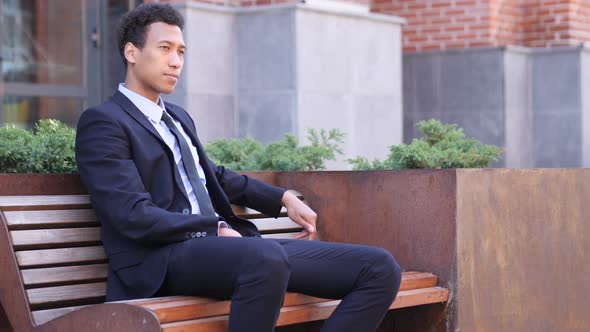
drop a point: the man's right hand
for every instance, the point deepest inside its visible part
(228, 232)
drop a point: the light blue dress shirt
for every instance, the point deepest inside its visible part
(154, 112)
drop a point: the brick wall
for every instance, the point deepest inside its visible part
(506, 22)
(556, 22)
(447, 24)
(440, 24)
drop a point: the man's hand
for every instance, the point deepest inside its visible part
(228, 232)
(301, 214)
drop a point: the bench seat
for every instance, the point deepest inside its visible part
(51, 251)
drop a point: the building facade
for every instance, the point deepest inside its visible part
(510, 72)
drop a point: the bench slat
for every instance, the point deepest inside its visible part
(36, 219)
(65, 274)
(47, 257)
(176, 308)
(50, 219)
(62, 295)
(417, 280)
(285, 224)
(44, 202)
(173, 309)
(36, 239)
(310, 312)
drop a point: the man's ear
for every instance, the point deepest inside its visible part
(130, 52)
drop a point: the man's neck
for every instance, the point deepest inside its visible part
(137, 88)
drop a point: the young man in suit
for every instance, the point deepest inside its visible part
(167, 224)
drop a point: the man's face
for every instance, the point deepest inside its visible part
(158, 65)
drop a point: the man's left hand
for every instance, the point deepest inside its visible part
(300, 213)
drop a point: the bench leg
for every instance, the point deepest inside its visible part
(4, 323)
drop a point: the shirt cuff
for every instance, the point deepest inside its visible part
(222, 224)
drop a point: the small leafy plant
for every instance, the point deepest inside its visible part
(49, 148)
(284, 155)
(443, 146)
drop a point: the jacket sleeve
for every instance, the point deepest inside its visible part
(119, 197)
(250, 192)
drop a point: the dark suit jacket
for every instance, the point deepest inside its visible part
(139, 199)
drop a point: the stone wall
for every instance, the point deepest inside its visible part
(266, 71)
(530, 101)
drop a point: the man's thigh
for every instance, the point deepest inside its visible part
(210, 266)
(326, 269)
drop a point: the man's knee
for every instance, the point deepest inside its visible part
(386, 269)
(268, 258)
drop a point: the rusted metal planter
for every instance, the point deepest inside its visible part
(511, 245)
(40, 184)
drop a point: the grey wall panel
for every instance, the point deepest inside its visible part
(214, 115)
(266, 116)
(472, 81)
(557, 108)
(421, 83)
(557, 139)
(266, 50)
(585, 94)
(556, 81)
(529, 101)
(518, 113)
(461, 87)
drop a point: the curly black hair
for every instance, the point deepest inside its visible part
(133, 25)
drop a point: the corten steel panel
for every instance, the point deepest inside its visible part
(40, 184)
(409, 213)
(523, 246)
(266, 176)
(67, 184)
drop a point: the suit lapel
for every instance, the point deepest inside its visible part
(135, 113)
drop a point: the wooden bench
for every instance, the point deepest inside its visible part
(53, 272)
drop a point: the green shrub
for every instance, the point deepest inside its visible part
(443, 146)
(49, 148)
(235, 154)
(15, 151)
(284, 155)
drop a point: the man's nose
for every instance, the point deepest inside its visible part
(175, 60)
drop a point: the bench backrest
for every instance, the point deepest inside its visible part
(54, 246)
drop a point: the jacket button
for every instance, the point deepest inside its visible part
(186, 211)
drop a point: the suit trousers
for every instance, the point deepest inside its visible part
(255, 273)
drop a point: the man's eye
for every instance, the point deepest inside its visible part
(181, 52)
(165, 47)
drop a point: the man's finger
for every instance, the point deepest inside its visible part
(302, 234)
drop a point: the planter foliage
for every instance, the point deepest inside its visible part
(48, 148)
(443, 146)
(283, 155)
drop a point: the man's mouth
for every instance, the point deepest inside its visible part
(174, 76)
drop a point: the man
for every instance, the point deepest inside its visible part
(167, 224)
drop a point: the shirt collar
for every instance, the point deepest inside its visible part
(150, 109)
